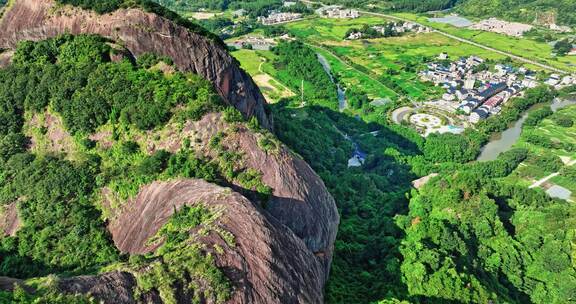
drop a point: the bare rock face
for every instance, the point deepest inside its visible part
(9, 220)
(140, 32)
(267, 263)
(113, 287)
(300, 200)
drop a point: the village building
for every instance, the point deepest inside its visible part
(502, 27)
(354, 36)
(337, 12)
(277, 18)
(553, 80)
(255, 43)
(560, 28)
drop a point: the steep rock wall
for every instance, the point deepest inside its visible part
(267, 263)
(139, 32)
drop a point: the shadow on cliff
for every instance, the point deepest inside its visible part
(366, 264)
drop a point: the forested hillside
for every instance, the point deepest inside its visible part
(522, 10)
(472, 239)
(62, 230)
(195, 5)
(526, 11)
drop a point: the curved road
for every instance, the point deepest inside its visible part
(525, 60)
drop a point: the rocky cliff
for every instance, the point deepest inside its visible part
(139, 32)
(267, 264)
(283, 246)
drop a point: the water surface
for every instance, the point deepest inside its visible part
(508, 138)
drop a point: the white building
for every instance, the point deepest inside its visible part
(568, 80)
(343, 14)
(277, 18)
(553, 80)
(469, 83)
(355, 36)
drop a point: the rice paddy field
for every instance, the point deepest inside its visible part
(524, 47)
(363, 63)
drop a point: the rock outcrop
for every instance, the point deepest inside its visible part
(9, 220)
(267, 263)
(299, 200)
(283, 250)
(139, 32)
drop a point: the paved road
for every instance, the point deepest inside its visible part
(525, 60)
(551, 176)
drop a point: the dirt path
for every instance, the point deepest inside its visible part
(549, 177)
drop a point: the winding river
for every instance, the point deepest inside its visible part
(342, 104)
(508, 138)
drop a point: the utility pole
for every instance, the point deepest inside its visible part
(302, 90)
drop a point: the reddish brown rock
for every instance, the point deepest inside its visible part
(300, 199)
(140, 32)
(114, 287)
(267, 263)
(9, 221)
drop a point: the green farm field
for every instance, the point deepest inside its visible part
(259, 64)
(526, 174)
(524, 47)
(362, 63)
(549, 129)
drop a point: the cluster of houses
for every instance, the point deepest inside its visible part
(559, 82)
(478, 92)
(254, 43)
(502, 27)
(337, 12)
(278, 18)
(398, 28)
(488, 100)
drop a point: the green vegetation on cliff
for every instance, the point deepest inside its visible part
(182, 256)
(73, 79)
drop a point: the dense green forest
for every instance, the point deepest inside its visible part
(299, 67)
(521, 10)
(472, 239)
(256, 7)
(62, 225)
(464, 238)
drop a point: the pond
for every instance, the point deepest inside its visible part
(452, 20)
